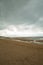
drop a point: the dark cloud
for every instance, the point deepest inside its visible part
(21, 12)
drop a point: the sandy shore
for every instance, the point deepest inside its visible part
(20, 53)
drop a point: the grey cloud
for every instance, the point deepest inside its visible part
(20, 12)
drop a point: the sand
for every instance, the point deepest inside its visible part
(20, 53)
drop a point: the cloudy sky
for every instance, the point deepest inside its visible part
(21, 18)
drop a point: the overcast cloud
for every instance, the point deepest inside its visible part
(21, 17)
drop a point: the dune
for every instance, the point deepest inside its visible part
(20, 53)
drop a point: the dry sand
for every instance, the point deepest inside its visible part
(20, 53)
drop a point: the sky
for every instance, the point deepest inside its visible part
(21, 18)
